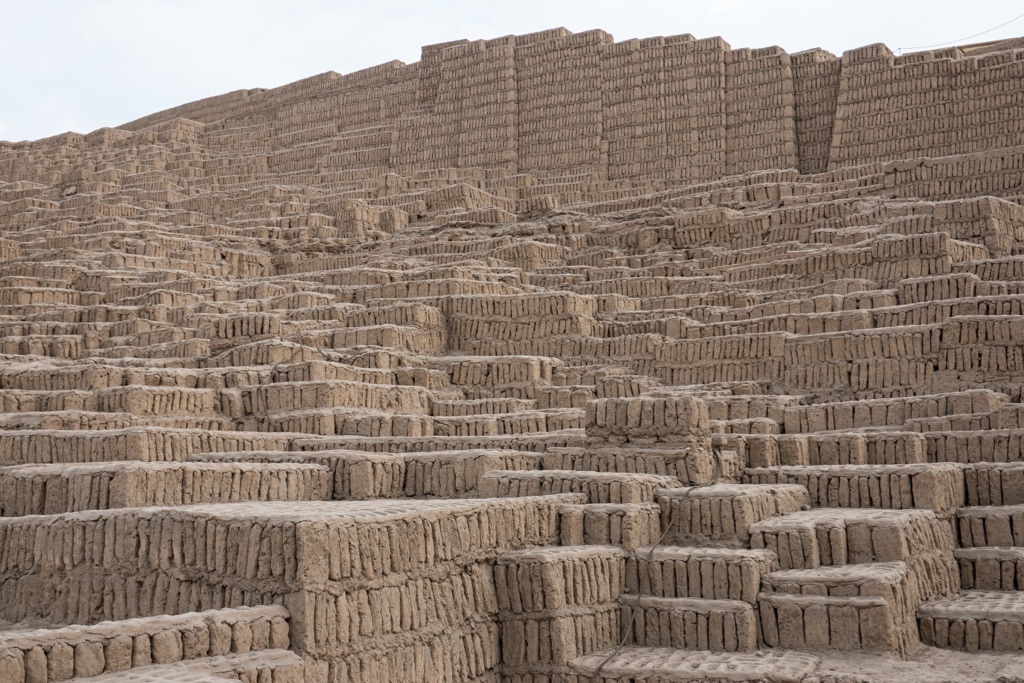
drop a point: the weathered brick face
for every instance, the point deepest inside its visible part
(544, 359)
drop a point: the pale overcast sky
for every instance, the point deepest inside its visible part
(82, 65)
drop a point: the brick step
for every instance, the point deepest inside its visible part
(269, 666)
(968, 422)
(537, 443)
(54, 489)
(901, 590)
(707, 573)
(290, 397)
(997, 569)
(847, 448)
(892, 412)
(555, 578)
(688, 465)
(331, 421)
(828, 622)
(633, 664)
(116, 646)
(722, 513)
(994, 483)
(599, 487)
(928, 486)
(836, 537)
(991, 525)
(564, 396)
(85, 420)
(483, 406)
(556, 602)
(147, 444)
(746, 407)
(690, 623)
(361, 475)
(628, 525)
(750, 425)
(158, 401)
(24, 401)
(992, 445)
(1011, 416)
(975, 620)
(499, 424)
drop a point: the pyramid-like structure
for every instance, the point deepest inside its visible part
(544, 359)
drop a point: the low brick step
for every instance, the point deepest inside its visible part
(158, 401)
(115, 646)
(295, 397)
(842, 536)
(556, 578)
(147, 444)
(343, 420)
(828, 622)
(962, 423)
(481, 406)
(975, 620)
(902, 590)
(501, 424)
(627, 525)
(994, 483)
(881, 412)
(690, 623)
(73, 420)
(599, 487)
(745, 407)
(269, 666)
(991, 526)
(998, 569)
(688, 465)
(847, 448)
(646, 664)
(54, 489)
(992, 445)
(751, 425)
(708, 573)
(721, 514)
(1011, 416)
(536, 443)
(929, 486)
(362, 475)
(555, 603)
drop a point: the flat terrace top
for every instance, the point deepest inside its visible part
(280, 512)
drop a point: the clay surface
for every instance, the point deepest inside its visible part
(543, 359)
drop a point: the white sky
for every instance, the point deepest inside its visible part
(83, 64)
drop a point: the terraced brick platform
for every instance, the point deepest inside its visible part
(544, 359)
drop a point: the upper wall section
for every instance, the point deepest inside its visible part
(926, 104)
(669, 109)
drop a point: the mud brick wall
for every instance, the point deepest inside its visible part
(53, 489)
(350, 577)
(556, 605)
(60, 654)
(485, 101)
(633, 107)
(740, 358)
(665, 109)
(696, 131)
(925, 104)
(139, 443)
(815, 93)
(657, 418)
(560, 113)
(664, 113)
(760, 131)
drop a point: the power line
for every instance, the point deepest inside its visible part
(960, 40)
